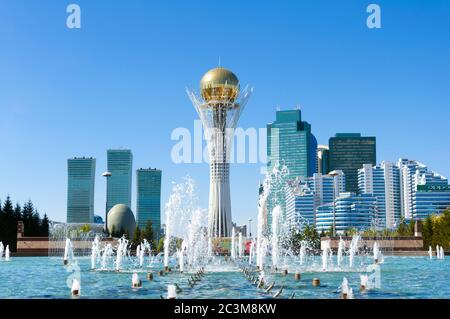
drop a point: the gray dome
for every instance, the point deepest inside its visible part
(122, 218)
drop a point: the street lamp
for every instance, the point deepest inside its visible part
(250, 227)
(107, 175)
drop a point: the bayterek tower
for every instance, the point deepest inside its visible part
(219, 107)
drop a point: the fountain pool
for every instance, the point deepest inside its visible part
(46, 277)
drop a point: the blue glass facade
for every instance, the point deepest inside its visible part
(290, 143)
(304, 195)
(300, 205)
(148, 203)
(349, 211)
(423, 192)
(80, 190)
(348, 153)
(119, 184)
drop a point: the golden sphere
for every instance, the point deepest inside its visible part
(219, 85)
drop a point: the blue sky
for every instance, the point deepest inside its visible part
(120, 81)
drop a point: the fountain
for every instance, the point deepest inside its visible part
(430, 252)
(275, 236)
(442, 253)
(302, 252)
(240, 250)
(251, 252)
(376, 253)
(171, 292)
(76, 286)
(182, 209)
(107, 254)
(346, 291)
(68, 252)
(95, 254)
(121, 252)
(364, 283)
(325, 252)
(233, 244)
(135, 281)
(8, 258)
(353, 249)
(1, 250)
(340, 252)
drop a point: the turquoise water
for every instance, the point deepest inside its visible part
(43, 277)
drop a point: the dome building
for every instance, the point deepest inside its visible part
(121, 219)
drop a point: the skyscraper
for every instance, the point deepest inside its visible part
(323, 159)
(348, 153)
(383, 181)
(80, 190)
(148, 203)
(290, 143)
(119, 184)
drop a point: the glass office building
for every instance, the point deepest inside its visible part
(119, 184)
(350, 211)
(290, 143)
(423, 192)
(148, 202)
(348, 153)
(300, 204)
(383, 181)
(80, 190)
(304, 195)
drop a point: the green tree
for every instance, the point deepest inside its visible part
(402, 229)
(137, 236)
(427, 232)
(411, 227)
(148, 233)
(8, 225)
(160, 247)
(85, 228)
(45, 224)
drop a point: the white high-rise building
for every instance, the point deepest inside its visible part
(304, 195)
(383, 181)
(424, 192)
(408, 183)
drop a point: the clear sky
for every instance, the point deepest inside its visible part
(120, 81)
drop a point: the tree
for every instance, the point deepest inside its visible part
(8, 225)
(17, 212)
(427, 232)
(411, 227)
(45, 224)
(402, 229)
(160, 246)
(85, 228)
(137, 236)
(147, 233)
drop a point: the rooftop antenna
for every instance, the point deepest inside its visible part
(298, 107)
(219, 62)
(278, 108)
